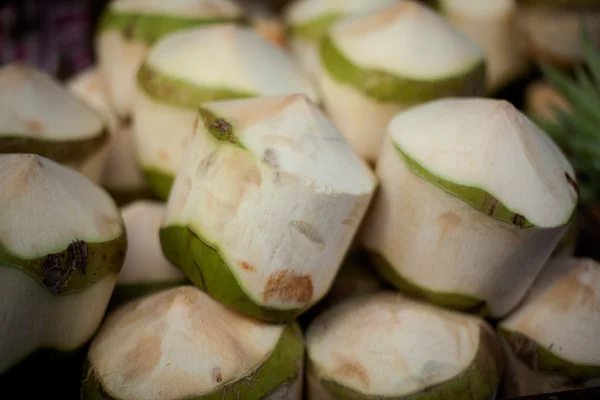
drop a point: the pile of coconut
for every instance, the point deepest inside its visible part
(324, 206)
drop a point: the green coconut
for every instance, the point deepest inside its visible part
(490, 25)
(146, 270)
(553, 334)
(62, 244)
(176, 78)
(386, 346)
(38, 115)
(128, 28)
(309, 20)
(262, 211)
(181, 344)
(380, 63)
(470, 189)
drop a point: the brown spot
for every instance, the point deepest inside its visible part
(571, 292)
(449, 221)
(270, 158)
(354, 370)
(253, 176)
(289, 287)
(518, 220)
(143, 358)
(77, 254)
(163, 156)
(217, 375)
(56, 273)
(490, 204)
(224, 130)
(246, 267)
(35, 126)
(571, 181)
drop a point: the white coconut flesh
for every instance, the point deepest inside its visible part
(490, 25)
(89, 86)
(439, 242)
(304, 12)
(282, 211)
(247, 65)
(178, 344)
(46, 321)
(553, 34)
(144, 260)
(566, 295)
(407, 41)
(417, 348)
(121, 56)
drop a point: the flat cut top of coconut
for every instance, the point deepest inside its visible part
(44, 207)
(490, 145)
(144, 260)
(417, 345)
(226, 56)
(478, 8)
(562, 311)
(408, 40)
(181, 8)
(178, 342)
(35, 105)
(90, 87)
(302, 11)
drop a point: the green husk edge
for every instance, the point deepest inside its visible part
(180, 93)
(453, 301)
(149, 28)
(103, 259)
(60, 151)
(281, 368)
(477, 198)
(159, 182)
(385, 87)
(206, 268)
(480, 381)
(314, 30)
(543, 360)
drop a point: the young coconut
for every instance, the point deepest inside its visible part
(262, 211)
(554, 333)
(62, 244)
(128, 28)
(309, 20)
(38, 115)
(384, 345)
(377, 64)
(176, 78)
(490, 25)
(122, 175)
(146, 270)
(181, 344)
(470, 189)
(552, 34)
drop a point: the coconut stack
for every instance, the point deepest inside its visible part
(491, 25)
(379, 63)
(549, 31)
(551, 339)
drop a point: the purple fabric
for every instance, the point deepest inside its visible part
(49, 34)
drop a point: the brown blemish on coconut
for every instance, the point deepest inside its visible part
(289, 287)
(246, 267)
(57, 268)
(35, 126)
(518, 220)
(572, 291)
(572, 182)
(253, 177)
(163, 156)
(354, 370)
(143, 358)
(490, 204)
(449, 222)
(217, 375)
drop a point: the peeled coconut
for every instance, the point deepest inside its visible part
(62, 244)
(146, 270)
(181, 344)
(38, 115)
(474, 198)
(128, 28)
(554, 333)
(385, 346)
(309, 20)
(553, 34)
(262, 211)
(490, 25)
(122, 176)
(177, 77)
(380, 63)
